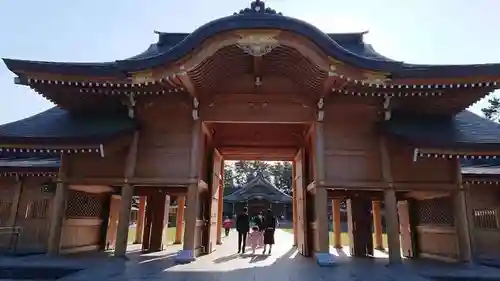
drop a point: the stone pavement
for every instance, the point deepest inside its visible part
(224, 264)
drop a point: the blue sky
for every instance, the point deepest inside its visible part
(423, 31)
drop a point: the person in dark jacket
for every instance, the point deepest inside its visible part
(242, 226)
(269, 227)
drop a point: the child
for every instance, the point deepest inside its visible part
(227, 225)
(254, 238)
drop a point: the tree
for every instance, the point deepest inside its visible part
(228, 179)
(282, 176)
(492, 111)
(245, 171)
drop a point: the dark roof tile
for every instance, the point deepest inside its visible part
(465, 129)
(60, 124)
(170, 47)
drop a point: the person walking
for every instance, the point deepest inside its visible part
(259, 220)
(269, 226)
(242, 226)
(228, 223)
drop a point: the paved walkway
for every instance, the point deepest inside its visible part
(224, 264)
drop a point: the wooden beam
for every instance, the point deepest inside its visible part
(93, 188)
(137, 181)
(374, 195)
(255, 153)
(152, 190)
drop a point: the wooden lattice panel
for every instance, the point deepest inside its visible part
(438, 211)
(84, 205)
(485, 218)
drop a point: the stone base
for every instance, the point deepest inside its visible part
(185, 256)
(325, 259)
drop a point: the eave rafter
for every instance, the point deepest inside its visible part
(45, 86)
(53, 149)
(106, 146)
(488, 181)
(454, 154)
(15, 173)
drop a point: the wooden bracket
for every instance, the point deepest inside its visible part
(387, 108)
(130, 104)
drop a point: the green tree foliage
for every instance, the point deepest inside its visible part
(492, 111)
(282, 176)
(278, 173)
(245, 171)
(229, 182)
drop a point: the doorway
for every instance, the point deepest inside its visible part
(263, 142)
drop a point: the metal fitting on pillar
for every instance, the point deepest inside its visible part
(195, 113)
(321, 112)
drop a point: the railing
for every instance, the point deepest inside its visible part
(14, 232)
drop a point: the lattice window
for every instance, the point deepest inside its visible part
(438, 211)
(37, 209)
(486, 218)
(84, 205)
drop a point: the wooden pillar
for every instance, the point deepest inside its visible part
(156, 240)
(166, 216)
(321, 196)
(220, 210)
(377, 225)
(188, 248)
(350, 224)
(294, 202)
(179, 225)
(461, 217)
(392, 225)
(14, 208)
(148, 221)
(58, 210)
(391, 205)
(337, 227)
(126, 199)
(114, 210)
(405, 229)
(140, 220)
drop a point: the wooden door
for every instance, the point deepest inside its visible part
(405, 230)
(300, 189)
(216, 183)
